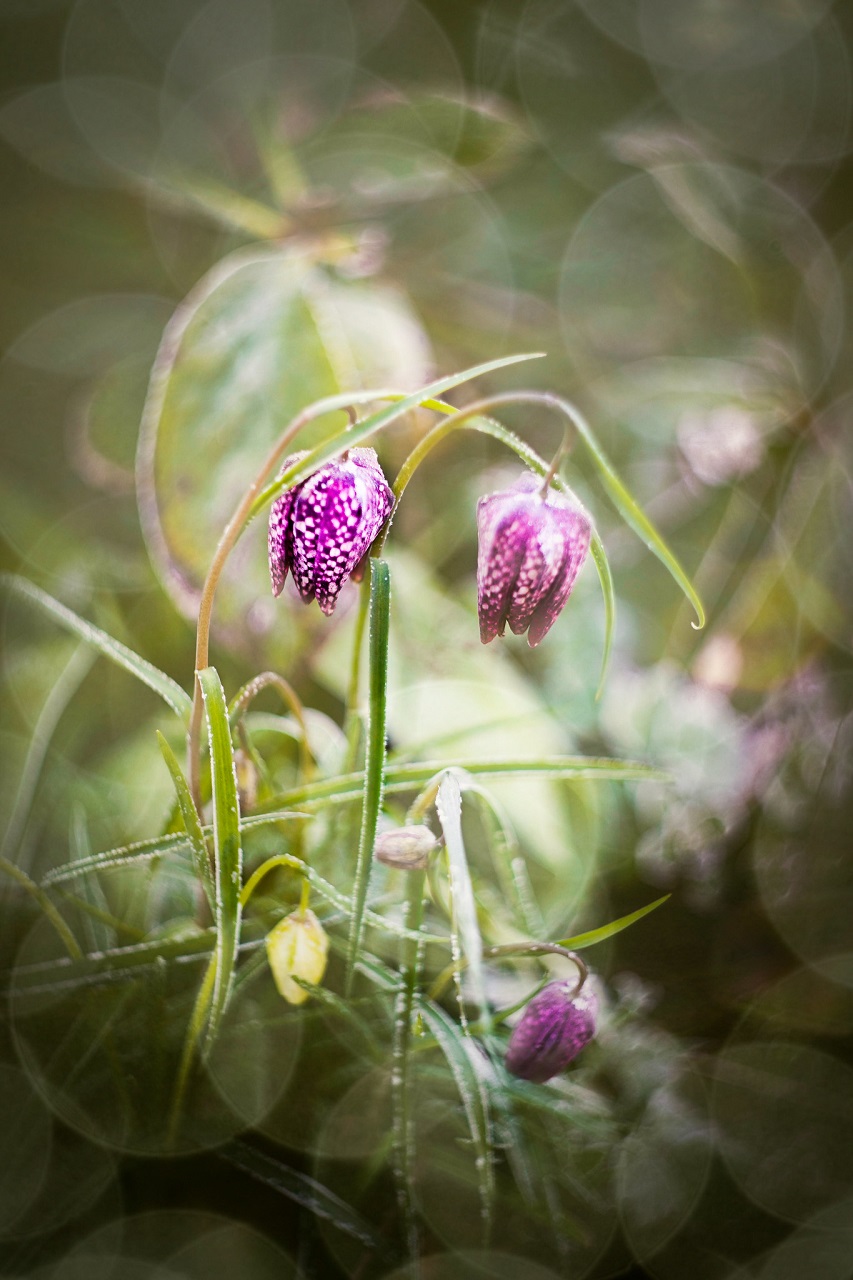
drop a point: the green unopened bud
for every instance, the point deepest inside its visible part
(406, 848)
(297, 948)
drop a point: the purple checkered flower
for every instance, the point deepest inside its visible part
(322, 528)
(532, 547)
(553, 1029)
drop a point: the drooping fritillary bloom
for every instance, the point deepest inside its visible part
(555, 1026)
(322, 528)
(531, 548)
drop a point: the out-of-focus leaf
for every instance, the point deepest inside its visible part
(305, 1191)
(663, 1165)
(463, 1060)
(241, 355)
(393, 149)
(168, 689)
(65, 686)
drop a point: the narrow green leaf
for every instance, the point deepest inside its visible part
(305, 1191)
(53, 708)
(95, 920)
(592, 936)
(164, 685)
(352, 435)
(113, 965)
(227, 848)
(631, 512)
(374, 765)
(192, 824)
(465, 1064)
(448, 806)
(605, 577)
(124, 855)
(404, 777)
(346, 788)
(510, 867)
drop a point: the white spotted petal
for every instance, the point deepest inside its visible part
(325, 525)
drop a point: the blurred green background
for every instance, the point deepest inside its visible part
(657, 195)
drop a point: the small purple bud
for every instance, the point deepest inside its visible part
(323, 527)
(553, 1029)
(531, 548)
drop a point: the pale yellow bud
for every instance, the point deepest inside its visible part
(297, 948)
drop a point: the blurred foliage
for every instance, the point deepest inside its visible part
(317, 196)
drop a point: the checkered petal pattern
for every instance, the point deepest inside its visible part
(323, 527)
(531, 549)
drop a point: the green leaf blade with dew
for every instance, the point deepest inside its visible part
(354, 434)
(168, 689)
(374, 767)
(592, 936)
(192, 824)
(448, 806)
(227, 845)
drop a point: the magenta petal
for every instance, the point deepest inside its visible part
(531, 548)
(552, 1031)
(575, 541)
(323, 528)
(501, 555)
(277, 540)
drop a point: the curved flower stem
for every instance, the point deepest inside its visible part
(278, 860)
(616, 491)
(226, 544)
(271, 679)
(556, 461)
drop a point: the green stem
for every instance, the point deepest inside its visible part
(411, 959)
(355, 663)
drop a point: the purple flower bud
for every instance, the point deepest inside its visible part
(323, 527)
(531, 550)
(553, 1029)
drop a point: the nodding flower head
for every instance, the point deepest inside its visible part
(322, 528)
(553, 1029)
(531, 548)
